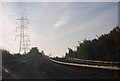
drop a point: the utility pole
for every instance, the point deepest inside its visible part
(24, 37)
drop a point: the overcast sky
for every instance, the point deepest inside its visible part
(56, 26)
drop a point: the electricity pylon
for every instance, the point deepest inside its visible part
(24, 37)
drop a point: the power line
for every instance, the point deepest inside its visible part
(22, 9)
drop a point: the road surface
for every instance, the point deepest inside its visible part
(40, 67)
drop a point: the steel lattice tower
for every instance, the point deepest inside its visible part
(24, 37)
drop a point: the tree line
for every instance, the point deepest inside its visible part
(105, 48)
(7, 56)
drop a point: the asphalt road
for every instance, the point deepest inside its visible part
(40, 67)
